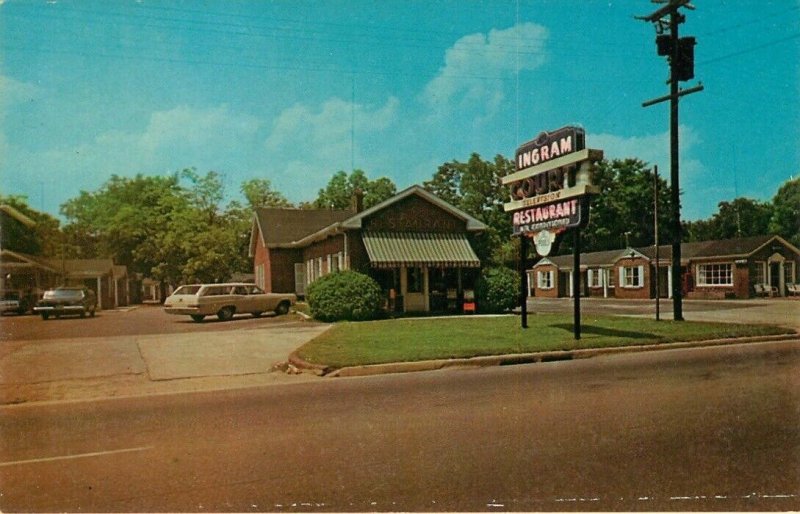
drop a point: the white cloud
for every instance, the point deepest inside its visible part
(329, 127)
(475, 62)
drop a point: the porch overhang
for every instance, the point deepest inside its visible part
(411, 249)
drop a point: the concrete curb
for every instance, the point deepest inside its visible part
(510, 359)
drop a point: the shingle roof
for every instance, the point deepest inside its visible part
(283, 226)
(728, 248)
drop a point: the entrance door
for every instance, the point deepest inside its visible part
(775, 276)
(415, 289)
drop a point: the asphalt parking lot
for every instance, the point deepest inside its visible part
(127, 321)
(774, 311)
(144, 351)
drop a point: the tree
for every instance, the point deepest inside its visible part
(785, 219)
(123, 218)
(623, 211)
(341, 188)
(160, 227)
(259, 193)
(476, 188)
(742, 217)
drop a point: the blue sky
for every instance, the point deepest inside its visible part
(294, 91)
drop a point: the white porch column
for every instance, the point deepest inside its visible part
(669, 284)
(99, 293)
(604, 278)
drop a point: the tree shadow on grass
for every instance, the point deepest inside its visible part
(607, 332)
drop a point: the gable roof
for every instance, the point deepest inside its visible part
(292, 228)
(9, 258)
(473, 225)
(14, 213)
(279, 226)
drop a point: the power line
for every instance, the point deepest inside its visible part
(751, 49)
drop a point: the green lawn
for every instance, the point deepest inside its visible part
(405, 340)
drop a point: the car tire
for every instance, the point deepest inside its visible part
(83, 314)
(197, 318)
(282, 308)
(45, 315)
(225, 313)
(91, 313)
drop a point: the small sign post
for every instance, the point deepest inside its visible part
(550, 192)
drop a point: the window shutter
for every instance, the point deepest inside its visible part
(641, 277)
(589, 277)
(621, 276)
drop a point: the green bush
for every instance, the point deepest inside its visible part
(497, 290)
(345, 295)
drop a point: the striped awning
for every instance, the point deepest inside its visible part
(395, 249)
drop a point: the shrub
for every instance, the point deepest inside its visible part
(497, 290)
(344, 295)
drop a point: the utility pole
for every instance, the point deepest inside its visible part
(655, 242)
(680, 53)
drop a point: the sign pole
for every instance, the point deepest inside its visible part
(576, 283)
(523, 276)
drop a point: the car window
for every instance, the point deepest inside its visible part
(65, 293)
(255, 290)
(220, 290)
(240, 290)
(187, 290)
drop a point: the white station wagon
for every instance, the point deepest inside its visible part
(225, 300)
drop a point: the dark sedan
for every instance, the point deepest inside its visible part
(67, 300)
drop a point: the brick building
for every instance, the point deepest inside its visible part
(416, 246)
(731, 268)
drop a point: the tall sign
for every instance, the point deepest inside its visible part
(549, 194)
(550, 188)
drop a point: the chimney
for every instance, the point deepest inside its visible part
(358, 201)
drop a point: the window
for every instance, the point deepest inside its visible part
(545, 279)
(715, 274)
(260, 278)
(414, 280)
(788, 272)
(595, 278)
(631, 276)
(335, 262)
(611, 278)
(760, 277)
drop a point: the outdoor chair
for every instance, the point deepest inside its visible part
(793, 289)
(469, 301)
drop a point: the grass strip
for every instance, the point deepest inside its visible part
(408, 340)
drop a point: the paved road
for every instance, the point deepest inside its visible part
(700, 429)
